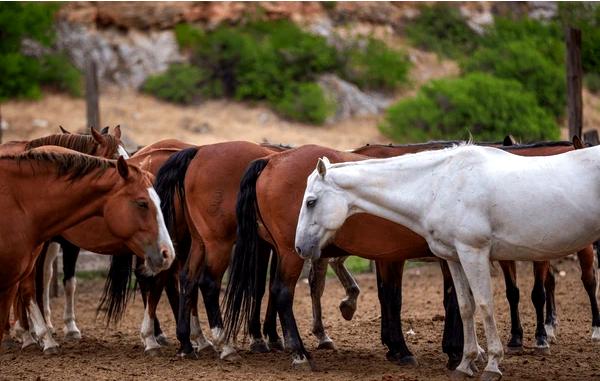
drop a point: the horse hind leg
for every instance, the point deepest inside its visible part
(348, 304)
(49, 258)
(316, 279)
(258, 343)
(551, 321)
(515, 344)
(70, 255)
(538, 297)
(588, 277)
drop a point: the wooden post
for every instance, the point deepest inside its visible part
(574, 76)
(91, 94)
(591, 137)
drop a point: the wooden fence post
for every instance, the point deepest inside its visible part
(91, 94)
(574, 77)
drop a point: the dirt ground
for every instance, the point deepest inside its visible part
(117, 354)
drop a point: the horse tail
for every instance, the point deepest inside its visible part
(171, 179)
(240, 296)
(117, 289)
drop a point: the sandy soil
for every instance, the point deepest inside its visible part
(117, 353)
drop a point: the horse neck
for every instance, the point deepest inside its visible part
(64, 203)
(395, 189)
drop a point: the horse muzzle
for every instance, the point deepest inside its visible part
(159, 258)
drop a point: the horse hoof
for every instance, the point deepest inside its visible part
(514, 350)
(550, 333)
(232, 357)
(327, 345)
(544, 351)
(457, 375)
(596, 334)
(259, 346)
(152, 352)
(453, 361)
(9, 344)
(52, 351)
(347, 310)
(490, 376)
(187, 356)
(73, 336)
(162, 340)
(302, 365)
(276, 346)
(407, 361)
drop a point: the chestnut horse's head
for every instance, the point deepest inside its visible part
(108, 145)
(132, 212)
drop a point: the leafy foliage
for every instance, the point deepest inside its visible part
(305, 102)
(179, 84)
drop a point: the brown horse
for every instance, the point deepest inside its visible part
(93, 234)
(279, 201)
(76, 187)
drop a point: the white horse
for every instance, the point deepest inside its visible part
(473, 205)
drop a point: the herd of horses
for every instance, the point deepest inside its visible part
(181, 210)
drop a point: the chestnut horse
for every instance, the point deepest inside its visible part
(76, 187)
(278, 224)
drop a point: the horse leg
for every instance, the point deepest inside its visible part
(188, 288)
(588, 277)
(538, 297)
(515, 344)
(258, 343)
(316, 279)
(282, 289)
(151, 346)
(7, 297)
(475, 263)
(217, 260)
(168, 280)
(453, 338)
(49, 258)
(270, 324)
(551, 321)
(70, 256)
(389, 287)
(22, 326)
(198, 339)
(348, 304)
(27, 295)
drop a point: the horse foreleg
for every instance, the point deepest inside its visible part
(168, 281)
(453, 338)
(588, 277)
(348, 304)
(258, 343)
(316, 279)
(389, 290)
(70, 256)
(7, 297)
(270, 324)
(551, 321)
(49, 258)
(515, 344)
(538, 297)
(188, 298)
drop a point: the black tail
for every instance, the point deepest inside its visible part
(240, 296)
(117, 289)
(169, 180)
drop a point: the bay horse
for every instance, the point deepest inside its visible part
(94, 235)
(474, 209)
(263, 188)
(76, 187)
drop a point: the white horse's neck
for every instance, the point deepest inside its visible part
(397, 189)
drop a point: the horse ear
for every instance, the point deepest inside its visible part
(64, 131)
(98, 136)
(104, 131)
(122, 167)
(577, 143)
(146, 164)
(117, 131)
(322, 166)
(509, 140)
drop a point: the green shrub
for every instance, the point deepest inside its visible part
(375, 66)
(487, 107)
(305, 102)
(592, 82)
(179, 84)
(188, 36)
(442, 29)
(22, 76)
(521, 61)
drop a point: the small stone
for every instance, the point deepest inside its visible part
(40, 123)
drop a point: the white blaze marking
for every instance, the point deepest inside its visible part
(122, 152)
(163, 234)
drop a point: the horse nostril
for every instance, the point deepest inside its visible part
(298, 250)
(165, 254)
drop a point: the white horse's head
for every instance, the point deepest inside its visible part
(325, 207)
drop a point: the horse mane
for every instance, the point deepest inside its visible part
(80, 143)
(72, 165)
(562, 143)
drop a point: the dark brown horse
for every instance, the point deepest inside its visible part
(277, 204)
(76, 187)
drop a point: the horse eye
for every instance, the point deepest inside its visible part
(142, 204)
(311, 203)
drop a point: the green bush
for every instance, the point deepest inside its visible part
(375, 66)
(305, 102)
(442, 29)
(179, 84)
(592, 82)
(522, 61)
(489, 108)
(21, 75)
(188, 36)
